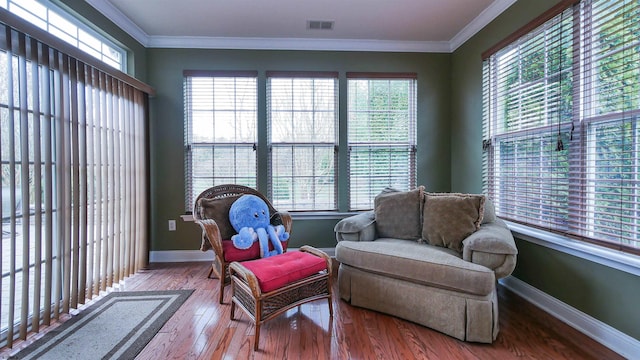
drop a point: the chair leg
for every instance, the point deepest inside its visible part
(257, 337)
(221, 291)
(233, 309)
(258, 321)
(330, 299)
(224, 273)
(210, 272)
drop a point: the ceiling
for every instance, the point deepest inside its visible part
(364, 25)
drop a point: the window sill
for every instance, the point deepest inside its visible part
(608, 257)
(317, 215)
(320, 215)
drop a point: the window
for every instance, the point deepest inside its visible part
(295, 139)
(303, 118)
(65, 27)
(72, 161)
(220, 130)
(561, 111)
(381, 135)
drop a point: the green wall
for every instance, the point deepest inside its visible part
(165, 68)
(606, 294)
(449, 147)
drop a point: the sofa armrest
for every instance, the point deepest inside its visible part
(492, 246)
(361, 227)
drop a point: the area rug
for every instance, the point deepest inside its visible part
(118, 326)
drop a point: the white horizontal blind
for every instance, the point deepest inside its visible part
(74, 177)
(221, 112)
(302, 111)
(381, 135)
(608, 208)
(561, 106)
(528, 92)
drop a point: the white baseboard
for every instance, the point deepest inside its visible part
(180, 256)
(197, 255)
(608, 336)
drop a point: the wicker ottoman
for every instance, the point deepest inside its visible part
(265, 288)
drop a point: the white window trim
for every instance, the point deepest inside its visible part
(274, 75)
(411, 144)
(77, 42)
(611, 258)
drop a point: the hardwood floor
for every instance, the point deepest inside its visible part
(201, 329)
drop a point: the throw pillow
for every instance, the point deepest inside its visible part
(449, 218)
(218, 210)
(398, 213)
(489, 212)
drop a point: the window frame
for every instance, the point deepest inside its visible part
(339, 148)
(23, 9)
(577, 136)
(328, 146)
(191, 145)
(407, 146)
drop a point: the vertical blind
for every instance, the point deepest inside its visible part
(381, 135)
(221, 114)
(74, 197)
(302, 111)
(561, 110)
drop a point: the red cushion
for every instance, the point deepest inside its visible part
(232, 253)
(277, 271)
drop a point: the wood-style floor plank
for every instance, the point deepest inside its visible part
(201, 329)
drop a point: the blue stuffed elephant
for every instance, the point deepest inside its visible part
(249, 216)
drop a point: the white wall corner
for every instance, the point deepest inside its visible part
(606, 335)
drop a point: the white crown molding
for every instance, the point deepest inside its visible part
(120, 19)
(197, 42)
(606, 335)
(483, 19)
(112, 13)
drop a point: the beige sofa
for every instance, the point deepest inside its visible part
(433, 259)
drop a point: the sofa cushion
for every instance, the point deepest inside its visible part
(419, 263)
(449, 218)
(398, 213)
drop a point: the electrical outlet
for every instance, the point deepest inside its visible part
(172, 225)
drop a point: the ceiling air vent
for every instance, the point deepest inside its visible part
(319, 25)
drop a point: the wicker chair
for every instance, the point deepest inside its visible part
(211, 212)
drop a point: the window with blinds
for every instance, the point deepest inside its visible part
(381, 135)
(561, 110)
(74, 182)
(60, 24)
(220, 130)
(302, 116)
